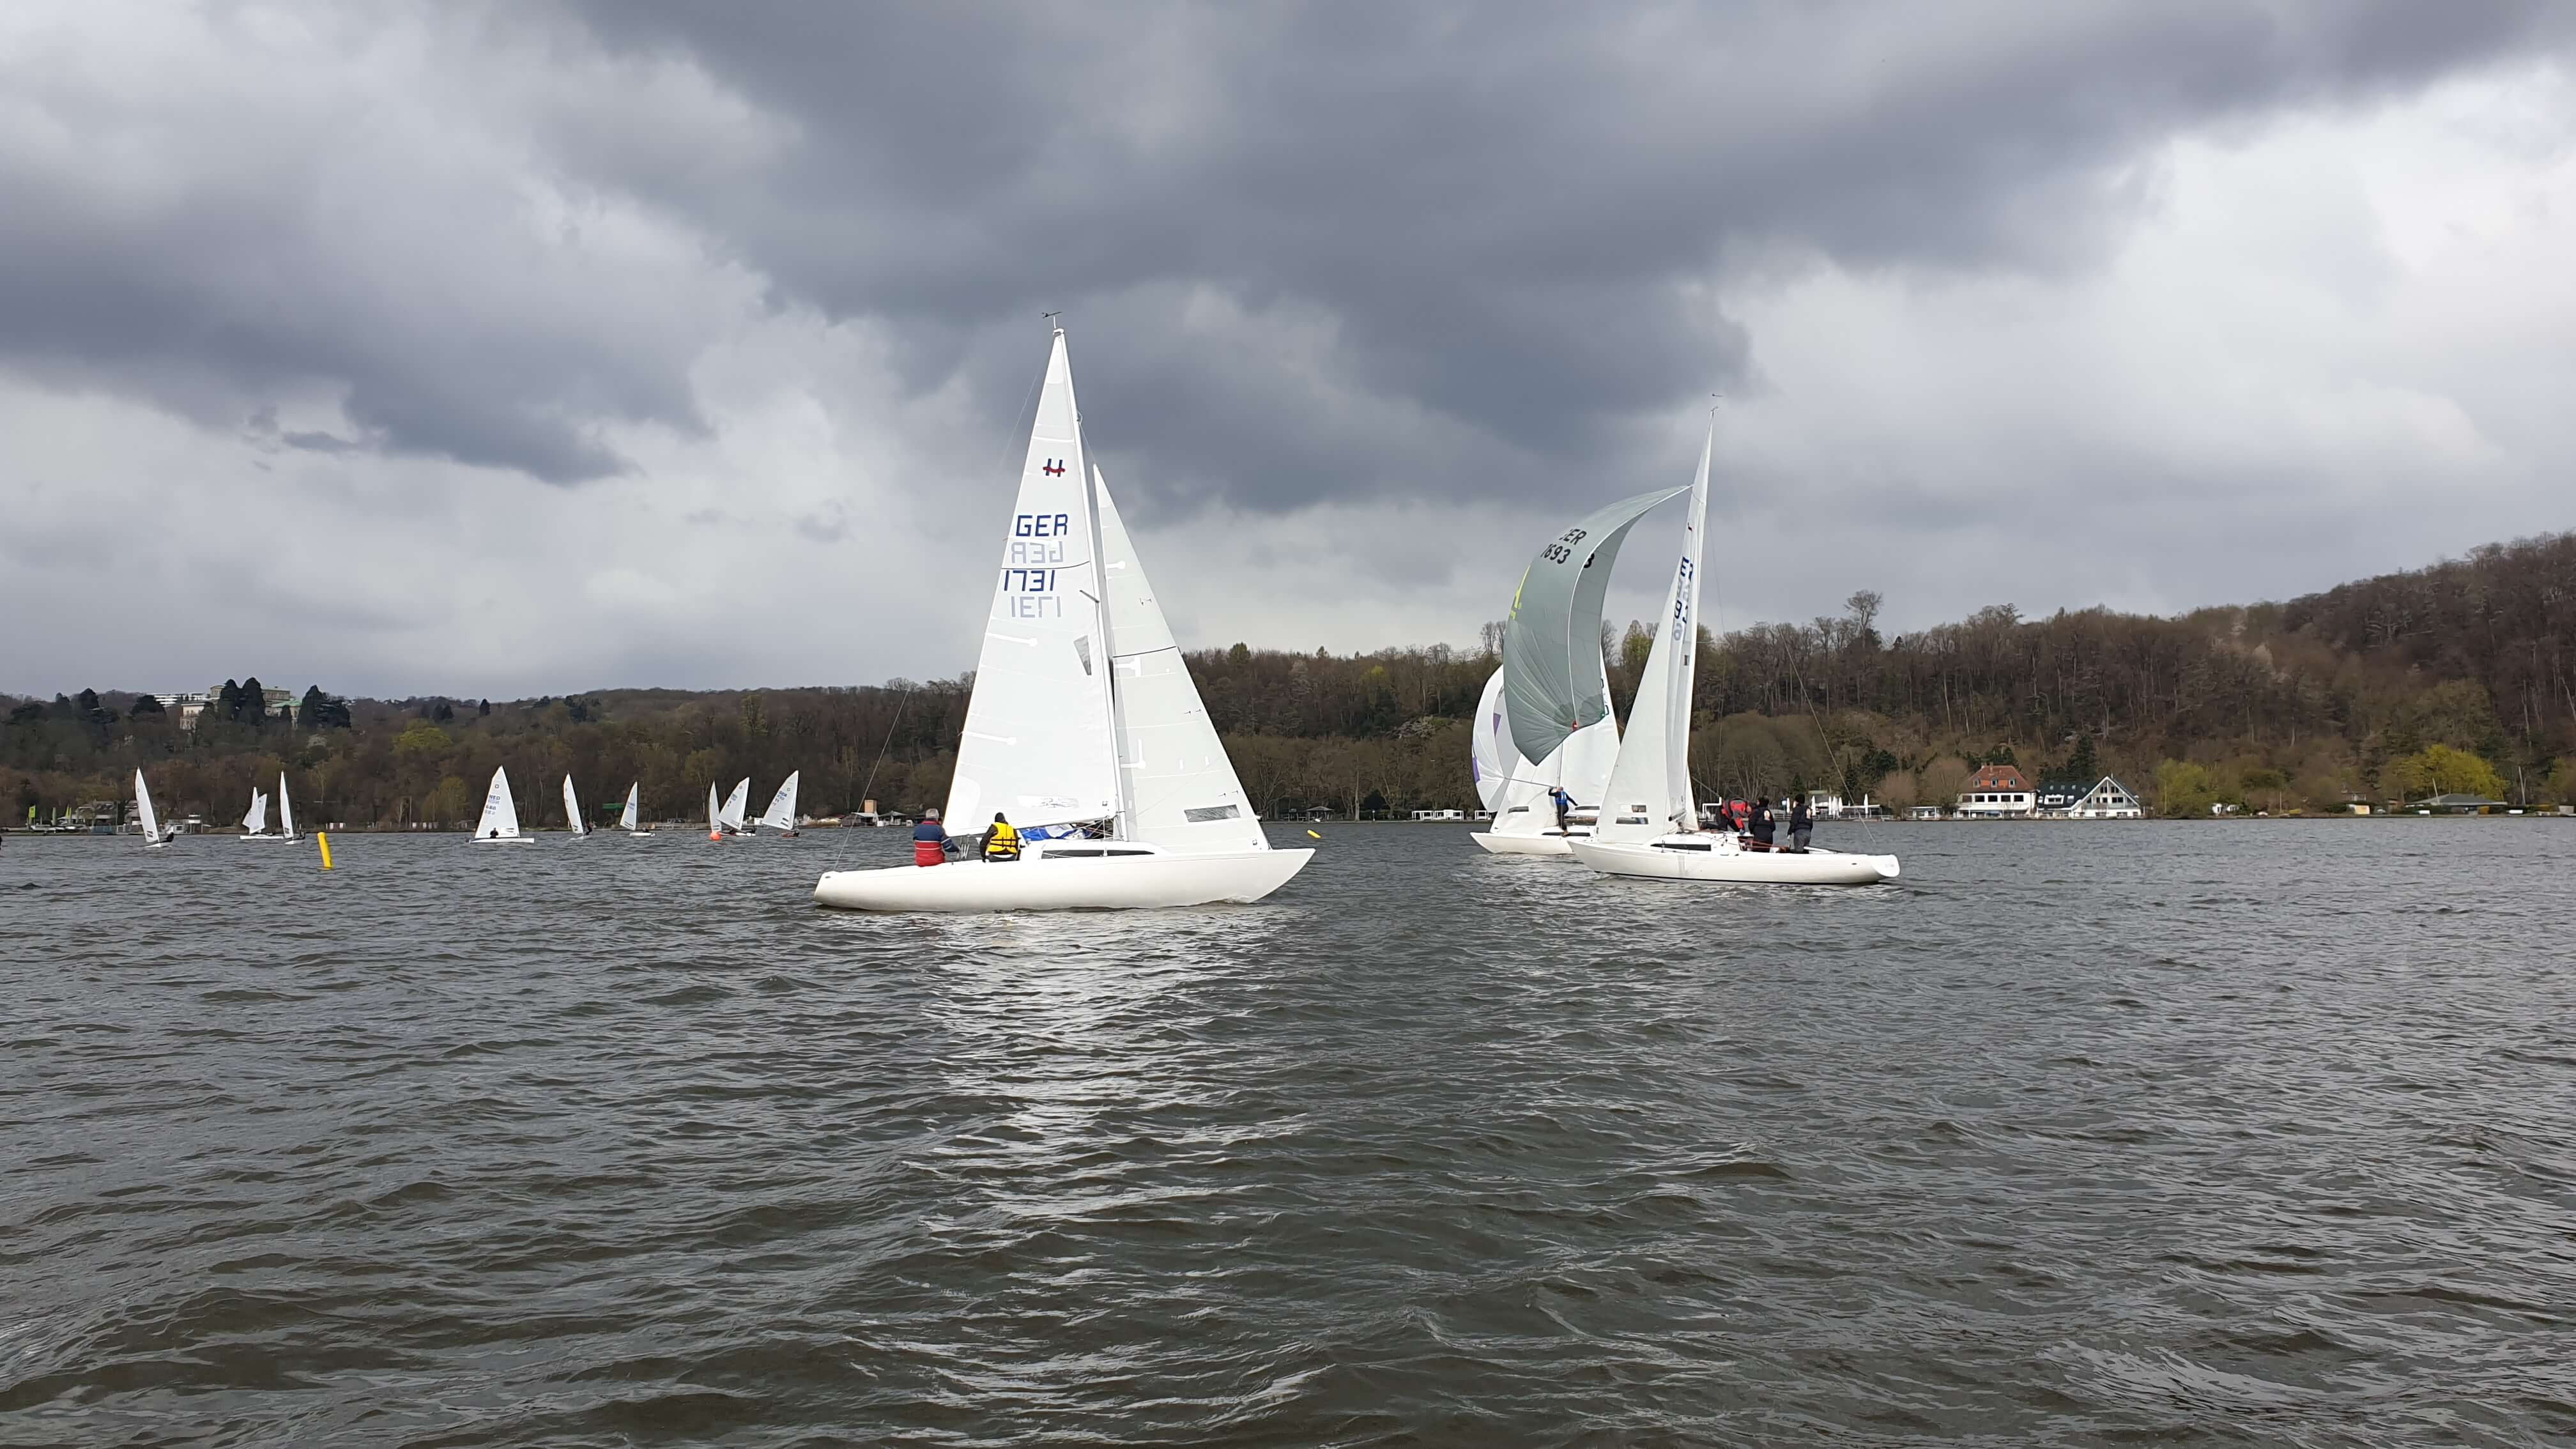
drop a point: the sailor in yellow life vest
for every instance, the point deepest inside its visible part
(1001, 842)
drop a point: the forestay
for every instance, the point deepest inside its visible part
(1552, 684)
(1182, 792)
(1650, 790)
(1038, 742)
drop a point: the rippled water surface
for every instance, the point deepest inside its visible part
(2252, 1133)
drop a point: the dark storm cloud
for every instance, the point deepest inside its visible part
(1504, 219)
(1319, 252)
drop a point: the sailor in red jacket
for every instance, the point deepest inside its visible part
(930, 840)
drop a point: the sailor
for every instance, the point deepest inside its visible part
(1802, 824)
(930, 840)
(1001, 842)
(1564, 805)
(1764, 828)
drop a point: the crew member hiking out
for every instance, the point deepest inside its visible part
(930, 840)
(1001, 841)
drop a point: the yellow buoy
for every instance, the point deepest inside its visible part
(325, 842)
(1318, 837)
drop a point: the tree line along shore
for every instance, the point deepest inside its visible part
(2457, 678)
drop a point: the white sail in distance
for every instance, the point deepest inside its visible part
(500, 820)
(627, 820)
(143, 810)
(1650, 789)
(572, 809)
(285, 809)
(781, 814)
(1037, 744)
(715, 813)
(735, 803)
(255, 820)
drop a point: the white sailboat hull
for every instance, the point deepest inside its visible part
(1657, 860)
(1498, 843)
(505, 840)
(1100, 883)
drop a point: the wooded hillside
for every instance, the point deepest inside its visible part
(2300, 705)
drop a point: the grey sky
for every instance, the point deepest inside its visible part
(531, 348)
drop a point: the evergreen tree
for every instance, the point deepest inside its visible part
(250, 706)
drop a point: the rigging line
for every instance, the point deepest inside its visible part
(882, 750)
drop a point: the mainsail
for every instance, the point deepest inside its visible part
(731, 816)
(143, 810)
(285, 809)
(1038, 744)
(781, 814)
(1552, 680)
(1650, 786)
(1181, 790)
(255, 820)
(572, 809)
(500, 813)
(715, 813)
(627, 821)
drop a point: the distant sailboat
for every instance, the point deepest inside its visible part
(730, 819)
(255, 819)
(1649, 824)
(781, 815)
(153, 836)
(715, 814)
(572, 811)
(628, 821)
(285, 812)
(500, 822)
(1084, 727)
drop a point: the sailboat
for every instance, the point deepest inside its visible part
(781, 815)
(628, 819)
(1546, 713)
(500, 822)
(715, 814)
(255, 819)
(1649, 825)
(572, 811)
(1084, 728)
(730, 819)
(285, 812)
(154, 837)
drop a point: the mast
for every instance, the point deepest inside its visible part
(1107, 652)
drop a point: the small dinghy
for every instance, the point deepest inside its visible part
(781, 815)
(154, 837)
(572, 811)
(1084, 728)
(629, 820)
(255, 819)
(1649, 825)
(500, 822)
(729, 816)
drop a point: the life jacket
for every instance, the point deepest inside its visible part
(1004, 843)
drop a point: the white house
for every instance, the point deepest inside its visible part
(1996, 792)
(2107, 800)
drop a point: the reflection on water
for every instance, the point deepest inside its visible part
(2236, 1132)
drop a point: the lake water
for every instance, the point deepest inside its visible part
(2255, 1132)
